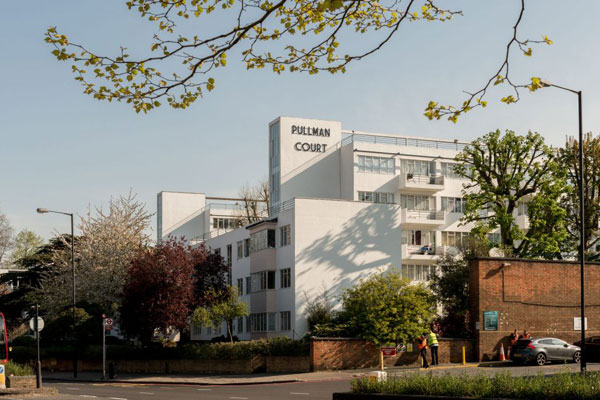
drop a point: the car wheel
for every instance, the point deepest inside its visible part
(540, 359)
(577, 357)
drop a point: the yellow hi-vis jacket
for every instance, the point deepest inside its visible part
(432, 339)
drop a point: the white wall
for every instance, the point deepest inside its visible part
(178, 214)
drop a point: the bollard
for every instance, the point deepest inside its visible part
(381, 367)
(464, 356)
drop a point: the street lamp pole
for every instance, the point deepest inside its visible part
(75, 355)
(543, 83)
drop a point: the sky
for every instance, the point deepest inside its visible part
(63, 150)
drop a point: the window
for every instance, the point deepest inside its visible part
(458, 239)
(196, 330)
(522, 208)
(285, 235)
(228, 262)
(377, 165)
(418, 238)
(494, 238)
(240, 324)
(376, 197)
(240, 286)
(218, 251)
(453, 204)
(225, 223)
(424, 203)
(263, 280)
(285, 278)
(209, 330)
(271, 321)
(448, 170)
(417, 167)
(258, 322)
(285, 321)
(416, 272)
(248, 284)
(262, 240)
(240, 249)
(246, 247)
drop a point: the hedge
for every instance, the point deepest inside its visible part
(209, 351)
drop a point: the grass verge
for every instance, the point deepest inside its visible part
(504, 385)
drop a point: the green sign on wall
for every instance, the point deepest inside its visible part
(490, 320)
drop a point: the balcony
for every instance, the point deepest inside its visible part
(422, 218)
(412, 183)
(421, 253)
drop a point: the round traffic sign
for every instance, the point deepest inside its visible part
(108, 322)
(40, 324)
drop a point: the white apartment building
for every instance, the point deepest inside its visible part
(345, 204)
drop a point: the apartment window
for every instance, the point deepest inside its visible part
(377, 165)
(494, 238)
(522, 208)
(453, 204)
(196, 330)
(424, 203)
(458, 239)
(225, 223)
(262, 240)
(263, 280)
(285, 318)
(417, 167)
(448, 170)
(240, 286)
(240, 249)
(248, 284)
(209, 330)
(377, 197)
(258, 322)
(285, 278)
(218, 251)
(246, 247)
(240, 324)
(285, 237)
(416, 272)
(413, 237)
(271, 322)
(229, 254)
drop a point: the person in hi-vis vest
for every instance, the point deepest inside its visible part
(432, 342)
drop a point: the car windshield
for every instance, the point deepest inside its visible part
(522, 343)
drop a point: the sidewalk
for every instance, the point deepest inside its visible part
(252, 379)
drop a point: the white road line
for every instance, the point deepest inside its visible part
(87, 395)
(72, 388)
(117, 398)
(146, 393)
(303, 394)
(204, 390)
(240, 398)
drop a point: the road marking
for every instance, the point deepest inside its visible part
(86, 395)
(117, 398)
(240, 398)
(72, 388)
(303, 394)
(204, 390)
(146, 393)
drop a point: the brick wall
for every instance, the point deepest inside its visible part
(343, 353)
(540, 296)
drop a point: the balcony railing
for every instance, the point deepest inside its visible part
(425, 214)
(350, 137)
(425, 179)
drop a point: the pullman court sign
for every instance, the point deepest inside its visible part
(310, 131)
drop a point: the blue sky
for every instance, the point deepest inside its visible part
(63, 150)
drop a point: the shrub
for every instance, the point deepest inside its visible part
(12, 368)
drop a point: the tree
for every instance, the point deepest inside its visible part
(226, 309)
(504, 171)
(386, 308)
(6, 232)
(299, 36)
(569, 159)
(255, 202)
(25, 244)
(108, 240)
(210, 276)
(319, 310)
(159, 292)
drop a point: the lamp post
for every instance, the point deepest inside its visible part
(45, 211)
(545, 83)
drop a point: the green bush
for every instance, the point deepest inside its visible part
(12, 368)
(207, 351)
(561, 386)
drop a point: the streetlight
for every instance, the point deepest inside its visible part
(545, 83)
(45, 211)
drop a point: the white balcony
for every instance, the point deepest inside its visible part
(411, 183)
(422, 218)
(423, 254)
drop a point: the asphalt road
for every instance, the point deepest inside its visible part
(294, 391)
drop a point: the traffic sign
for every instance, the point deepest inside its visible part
(388, 351)
(40, 323)
(108, 322)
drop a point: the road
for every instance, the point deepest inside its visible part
(292, 391)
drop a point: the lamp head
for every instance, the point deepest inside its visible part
(42, 210)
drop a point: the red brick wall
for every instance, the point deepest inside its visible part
(540, 296)
(342, 353)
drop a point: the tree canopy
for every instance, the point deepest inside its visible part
(504, 171)
(226, 309)
(25, 244)
(307, 36)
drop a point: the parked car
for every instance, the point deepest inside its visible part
(542, 350)
(592, 347)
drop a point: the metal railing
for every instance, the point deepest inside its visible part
(425, 214)
(286, 205)
(402, 141)
(421, 250)
(425, 179)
